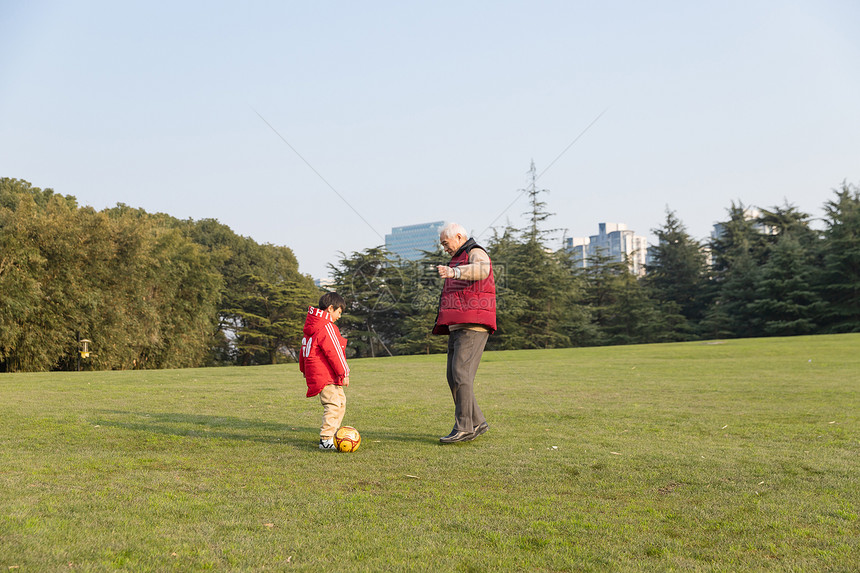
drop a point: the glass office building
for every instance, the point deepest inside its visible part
(410, 242)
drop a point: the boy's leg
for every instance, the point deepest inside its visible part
(333, 400)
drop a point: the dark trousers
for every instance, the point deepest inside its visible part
(465, 348)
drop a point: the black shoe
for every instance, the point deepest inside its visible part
(456, 436)
(480, 429)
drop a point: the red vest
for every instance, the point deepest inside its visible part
(467, 302)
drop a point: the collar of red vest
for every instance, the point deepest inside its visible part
(467, 246)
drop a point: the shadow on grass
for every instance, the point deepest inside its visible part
(209, 427)
(202, 426)
(410, 437)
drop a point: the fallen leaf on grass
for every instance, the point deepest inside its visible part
(724, 427)
(413, 477)
(269, 525)
(615, 453)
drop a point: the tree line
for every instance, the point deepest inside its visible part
(153, 291)
(771, 275)
(149, 290)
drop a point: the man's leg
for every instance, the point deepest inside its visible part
(465, 348)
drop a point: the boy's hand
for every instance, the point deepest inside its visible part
(345, 381)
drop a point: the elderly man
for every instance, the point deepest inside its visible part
(467, 314)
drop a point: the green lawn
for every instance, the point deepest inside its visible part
(732, 456)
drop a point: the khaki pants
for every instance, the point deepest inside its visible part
(333, 400)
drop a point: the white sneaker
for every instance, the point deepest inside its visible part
(327, 445)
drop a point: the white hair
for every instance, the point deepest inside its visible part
(452, 229)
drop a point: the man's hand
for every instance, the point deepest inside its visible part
(445, 272)
(479, 268)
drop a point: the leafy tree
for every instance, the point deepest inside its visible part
(621, 310)
(732, 314)
(537, 296)
(537, 213)
(421, 288)
(538, 291)
(600, 279)
(632, 317)
(841, 261)
(740, 236)
(106, 276)
(786, 302)
(186, 294)
(511, 305)
(788, 220)
(269, 271)
(267, 324)
(166, 292)
(133, 283)
(372, 285)
(676, 276)
(22, 265)
(738, 249)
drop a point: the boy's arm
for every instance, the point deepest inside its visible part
(333, 352)
(305, 344)
(302, 359)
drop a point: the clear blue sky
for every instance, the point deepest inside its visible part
(416, 112)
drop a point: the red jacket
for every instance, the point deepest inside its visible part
(466, 302)
(322, 359)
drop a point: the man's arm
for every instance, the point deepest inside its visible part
(477, 269)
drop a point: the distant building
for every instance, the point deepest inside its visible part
(613, 240)
(750, 214)
(410, 242)
(324, 283)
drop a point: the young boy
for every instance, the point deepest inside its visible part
(323, 363)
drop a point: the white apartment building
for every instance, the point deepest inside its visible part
(613, 240)
(750, 213)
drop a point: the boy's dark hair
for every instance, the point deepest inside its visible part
(332, 299)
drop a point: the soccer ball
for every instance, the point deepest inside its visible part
(347, 439)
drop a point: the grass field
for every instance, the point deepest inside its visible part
(732, 456)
